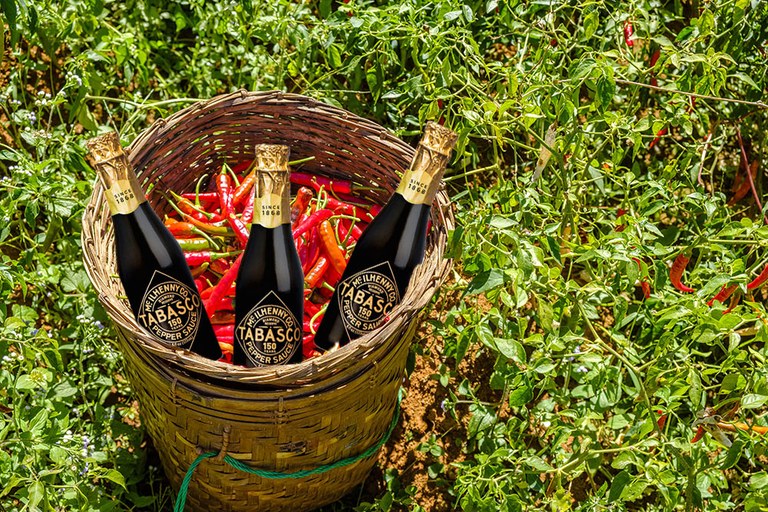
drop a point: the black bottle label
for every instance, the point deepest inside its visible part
(170, 310)
(366, 298)
(269, 333)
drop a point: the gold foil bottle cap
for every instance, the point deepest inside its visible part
(271, 157)
(439, 138)
(122, 189)
(272, 191)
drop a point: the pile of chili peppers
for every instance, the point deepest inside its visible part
(212, 226)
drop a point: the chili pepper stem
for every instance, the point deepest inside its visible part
(300, 161)
(197, 189)
(315, 317)
(226, 168)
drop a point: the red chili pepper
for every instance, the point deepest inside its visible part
(310, 308)
(676, 273)
(628, 32)
(226, 340)
(644, 284)
(699, 434)
(308, 180)
(196, 258)
(332, 277)
(759, 280)
(723, 294)
(302, 249)
(744, 187)
(299, 206)
(342, 207)
(247, 216)
(735, 299)
(205, 198)
(200, 284)
(222, 286)
(374, 210)
(646, 287)
(241, 167)
(656, 140)
(224, 330)
(312, 221)
(662, 421)
(313, 251)
(317, 271)
(224, 189)
(186, 206)
(308, 346)
(654, 58)
(241, 230)
(332, 249)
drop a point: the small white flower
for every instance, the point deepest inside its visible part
(582, 369)
(546, 424)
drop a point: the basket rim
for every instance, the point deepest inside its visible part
(353, 357)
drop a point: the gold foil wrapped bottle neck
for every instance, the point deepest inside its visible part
(421, 182)
(122, 189)
(272, 157)
(439, 138)
(272, 191)
(104, 148)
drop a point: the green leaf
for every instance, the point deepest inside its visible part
(36, 494)
(485, 281)
(114, 476)
(620, 481)
(753, 401)
(452, 15)
(520, 396)
(58, 455)
(468, 14)
(491, 5)
(733, 455)
(538, 464)
(606, 89)
(25, 382)
(325, 8)
(11, 14)
(334, 56)
(511, 349)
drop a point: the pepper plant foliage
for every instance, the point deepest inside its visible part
(643, 131)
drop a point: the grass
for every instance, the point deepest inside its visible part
(551, 363)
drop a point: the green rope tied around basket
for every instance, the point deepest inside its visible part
(181, 499)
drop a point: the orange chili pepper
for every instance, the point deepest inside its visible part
(328, 237)
(317, 271)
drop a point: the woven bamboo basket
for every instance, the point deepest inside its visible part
(288, 418)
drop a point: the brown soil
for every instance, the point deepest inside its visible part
(423, 416)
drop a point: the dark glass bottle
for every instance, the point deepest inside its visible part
(381, 265)
(150, 263)
(269, 294)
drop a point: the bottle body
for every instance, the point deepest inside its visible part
(377, 274)
(150, 262)
(269, 292)
(388, 251)
(269, 300)
(159, 284)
